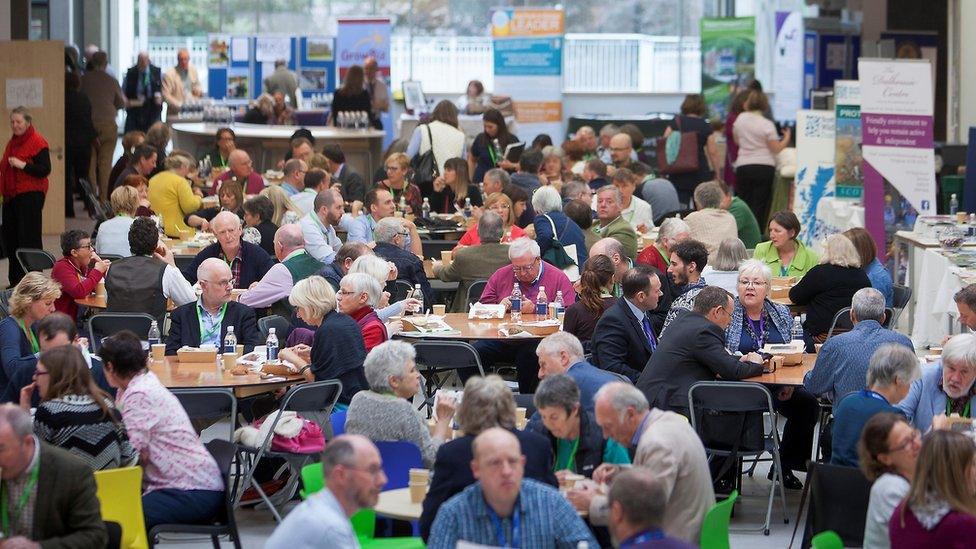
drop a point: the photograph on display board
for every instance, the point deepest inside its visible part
(728, 49)
(238, 83)
(218, 51)
(313, 79)
(319, 49)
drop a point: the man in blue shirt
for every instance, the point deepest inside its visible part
(562, 353)
(637, 501)
(294, 181)
(504, 510)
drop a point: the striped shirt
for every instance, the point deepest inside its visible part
(77, 424)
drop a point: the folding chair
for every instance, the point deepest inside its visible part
(224, 523)
(842, 321)
(902, 295)
(475, 290)
(34, 259)
(728, 416)
(103, 325)
(119, 492)
(110, 257)
(437, 357)
(399, 290)
(313, 401)
(279, 323)
(209, 404)
(838, 501)
(97, 208)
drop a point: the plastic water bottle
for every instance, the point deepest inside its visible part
(230, 342)
(153, 336)
(542, 303)
(403, 203)
(953, 204)
(419, 296)
(516, 299)
(560, 305)
(467, 208)
(797, 329)
(272, 345)
(498, 149)
(425, 209)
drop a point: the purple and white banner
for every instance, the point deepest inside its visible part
(897, 130)
(788, 65)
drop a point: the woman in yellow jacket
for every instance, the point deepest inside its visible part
(170, 194)
(783, 253)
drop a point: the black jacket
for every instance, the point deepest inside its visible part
(694, 350)
(332, 273)
(140, 118)
(79, 130)
(254, 263)
(409, 268)
(351, 184)
(825, 290)
(452, 471)
(619, 343)
(589, 453)
(185, 327)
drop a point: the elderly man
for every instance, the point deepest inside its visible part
(688, 258)
(530, 272)
(315, 181)
(180, 84)
(595, 174)
(105, 95)
(664, 444)
(609, 204)
(379, 205)
(143, 88)
(350, 183)
(207, 321)
(495, 181)
(318, 227)
(344, 258)
(391, 242)
(294, 172)
(624, 338)
(562, 353)
(576, 190)
(695, 351)
(295, 264)
(672, 231)
(711, 224)
(586, 137)
(248, 262)
(891, 372)
(379, 94)
(607, 131)
(945, 387)
(50, 492)
(612, 248)
(504, 509)
(282, 81)
(472, 263)
(843, 360)
(353, 472)
(241, 169)
(637, 501)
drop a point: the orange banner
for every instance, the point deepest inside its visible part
(527, 22)
(532, 112)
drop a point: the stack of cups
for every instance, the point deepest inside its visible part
(419, 482)
(520, 420)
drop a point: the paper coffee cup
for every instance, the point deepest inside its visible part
(447, 256)
(100, 290)
(159, 351)
(440, 310)
(420, 475)
(418, 491)
(239, 350)
(229, 360)
(520, 414)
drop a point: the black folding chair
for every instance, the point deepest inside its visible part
(902, 296)
(838, 501)
(224, 524)
(103, 325)
(475, 290)
(432, 248)
(97, 209)
(399, 290)
(110, 257)
(206, 404)
(437, 358)
(279, 323)
(842, 321)
(34, 259)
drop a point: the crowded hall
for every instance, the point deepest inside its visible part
(467, 274)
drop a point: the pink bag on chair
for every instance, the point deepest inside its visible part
(309, 438)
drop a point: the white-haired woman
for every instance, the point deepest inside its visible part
(383, 271)
(552, 224)
(357, 297)
(756, 322)
(385, 412)
(828, 287)
(724, 271)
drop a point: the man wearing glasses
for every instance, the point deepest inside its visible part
(693, 351)
(241, 169)
(247, 262)
(72, 272)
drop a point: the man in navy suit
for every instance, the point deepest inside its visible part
(143, 88)
(562, 353)
(205, 321)
(624, 338)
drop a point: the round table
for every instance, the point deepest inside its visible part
(396, 504)
(474, 329)
(787, 375)
(174, 374)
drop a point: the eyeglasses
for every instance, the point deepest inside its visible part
(526, 268)
(392, 168)
(90, 246)
(916, 435)
(752, 283)
(221, 283)
(403, 233)
(39, 373)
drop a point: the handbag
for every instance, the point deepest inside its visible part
(678, 153)
(425, 167)
(559, 254)
(292, 433)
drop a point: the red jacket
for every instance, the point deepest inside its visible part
(374, 331)
(652, 256)
(75, 284)
(32, 149)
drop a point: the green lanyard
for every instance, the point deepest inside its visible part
(570, 465)
(965, 411)
(35, 472)
(491, 153)
(30, 336)
(207, 334)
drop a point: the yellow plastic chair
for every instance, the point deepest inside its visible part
(120, 494)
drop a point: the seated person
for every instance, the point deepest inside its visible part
(319, 225)
(347, 254)
(258, 212)
(74, 413)
(595, 297)
(710, 224)
(337, 350)
(658, 255)
(391, 245)
(946, 387)
(113, 234)
(72, 273)
(623, 339)
(181, 481)
(358, 294)
(609, 205)
(206, 321)
(32, 299)
(294, 176)
(230, 199)
(241, 170)
(385, 412)
(500, 204)
(888, 448)
(723, 269)
(551, 225)
(171, 196)
(294, 264)
(470, 264)
(487, 403)
(634, 209)
(783, 252)
(379, 205)
(562, 353)
(315, 181)
(503, 495)
(877, 273)
(383, 272)
(141, 185)
(248, 262)
(572, 431)
(224, 144)
(637, 501)
(688, 258)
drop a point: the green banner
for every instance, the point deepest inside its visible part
(728, 48)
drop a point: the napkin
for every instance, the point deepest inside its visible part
(485, 310)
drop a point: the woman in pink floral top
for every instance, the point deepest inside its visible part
(181, 482)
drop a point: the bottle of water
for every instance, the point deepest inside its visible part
(467, 208)
(953, 204)
(560, 305)
(797, 330)
(516, 299)
(425, 209)
(498, 149)
(153, 336)
(403, 204)
(230, 342)
(272, 345)
(419, 296)
(542, 303)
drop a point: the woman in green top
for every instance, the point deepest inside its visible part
(576, 439)
(783, 253)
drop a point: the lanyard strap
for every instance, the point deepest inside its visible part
(642, 538)
(875, 395)
(35, 472)
(30, 336)
(758, 333)
(500, 530)
(571, 464)
(207, 334)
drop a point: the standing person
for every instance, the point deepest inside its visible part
(105, 95)
(755, 166)
(379, 94)
(72, 272)
(484, 154)
(143, 88)
(79, 136)
(24, 168)
(284, 81)
(180, 84)
(446, 139)
(352, 97)
(731, 148)
(692, 120)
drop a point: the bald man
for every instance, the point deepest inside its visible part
(295, 264)
(612, 248)
(180, 84)
(205, 321)
(248, 262)
(241, 169)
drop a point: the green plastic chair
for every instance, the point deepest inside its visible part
(363, 522)
(715, 527)
(828, 539)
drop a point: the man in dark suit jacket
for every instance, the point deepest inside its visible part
(695, 351)
(352, 186)
(248, 261)
(391, 242)
(143, 89)
(65, 512)
(214, 304)
(624, 337)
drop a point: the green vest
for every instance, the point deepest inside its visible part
(302, 266)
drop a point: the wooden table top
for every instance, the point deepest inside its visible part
(787, 375)
(181, 375)
(100, 302)
(473, 329)
(396, 504)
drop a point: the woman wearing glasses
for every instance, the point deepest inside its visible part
(889, 449)
(403, 191)
(357, 297)
(72, 271)
(756, 322)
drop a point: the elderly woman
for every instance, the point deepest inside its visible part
(574, 436)
(551, 224)
(889, 448)
(170, 193)
(945, 387)
(877, 273)
(357, 297)
(382, 271)
(672, 231)
(724, 271)
(385, 411)
(32, 299)
(784, 254)
(501, 204)
(113, 234)
(230, 198)
(891, 371)
(337, 350)
(551, 172)
(834, 282)
(756, 322)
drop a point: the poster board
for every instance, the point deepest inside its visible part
(848, 157)
(728, 48)
(814, 171)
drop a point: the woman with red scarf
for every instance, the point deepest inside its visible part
(24, 168)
